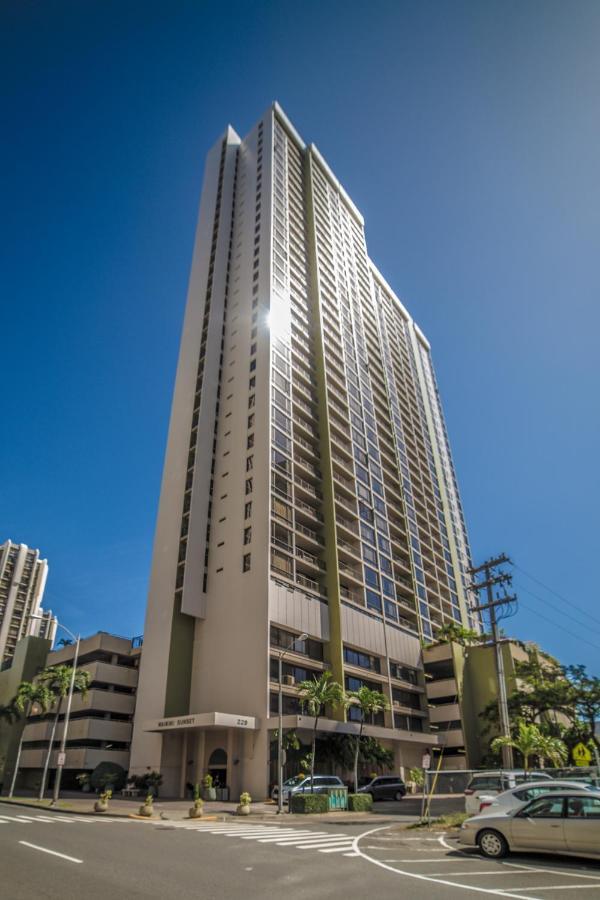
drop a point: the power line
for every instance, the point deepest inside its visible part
(558, 625)
(556, 594)
(560, 611)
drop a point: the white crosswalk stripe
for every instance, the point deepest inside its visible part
(57, 819)
(295, 838)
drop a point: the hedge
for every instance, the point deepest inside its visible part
(360, 802)
(310, 803)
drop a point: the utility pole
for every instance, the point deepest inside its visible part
(491, 579)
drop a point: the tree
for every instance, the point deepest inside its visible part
(551, 748)
(315, 695)
(57, 679)
(9, 712)
(453, 633)
(531, 742)
(586, 697)
(29, 694)
(369, 703)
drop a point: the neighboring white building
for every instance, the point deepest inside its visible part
(22, 581)
(308, 483)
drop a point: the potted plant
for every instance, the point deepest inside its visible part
(83, 780)
(147, 808)
(208, 791)
(101, 804)
(196, 809)
(244, 807)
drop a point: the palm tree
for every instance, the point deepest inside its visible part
(315, 695)
(551, 748)
(370, 703)
(530, 741)
(9, 712)
(29, 694)
(57, 679)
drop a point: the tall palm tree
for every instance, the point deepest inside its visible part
(315, 695)
(531, 742)
(370, 703)
(57, 679)
(29, 694)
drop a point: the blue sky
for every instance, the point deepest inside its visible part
(467, 134)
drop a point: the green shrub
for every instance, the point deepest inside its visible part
(309, 803)
(360, 802)
(108, 775)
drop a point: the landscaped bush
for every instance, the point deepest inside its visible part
(360, 802)
(309, 803)
(108, 775)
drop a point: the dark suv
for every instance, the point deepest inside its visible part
(385, 787)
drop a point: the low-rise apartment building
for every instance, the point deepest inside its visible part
(101, 722)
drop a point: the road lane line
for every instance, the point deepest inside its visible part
(549, 869)
(273, 840)
(345, 848)
(465, 887)
(555, 887)
(51, 852)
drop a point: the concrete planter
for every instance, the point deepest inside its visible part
(100, 806)
(243, 810)
(209, 793)
(195, 812)
(146, 809)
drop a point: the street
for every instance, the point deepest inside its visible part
(54, 856)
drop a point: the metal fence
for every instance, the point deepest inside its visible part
(454, 781)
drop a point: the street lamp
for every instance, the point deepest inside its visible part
(63, 741)
(282, 653)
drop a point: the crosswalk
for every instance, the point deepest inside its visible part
(276, 835)
(57, 819)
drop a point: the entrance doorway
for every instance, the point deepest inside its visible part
(217, 767)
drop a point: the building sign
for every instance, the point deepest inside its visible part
(203, 720)
(581, 755)
(61, 759)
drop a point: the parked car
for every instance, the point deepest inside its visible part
(563, 822)
(385, 787)
(495, 782)
(515, 798)
(301, 784)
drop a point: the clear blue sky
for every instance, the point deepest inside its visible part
(468, 135)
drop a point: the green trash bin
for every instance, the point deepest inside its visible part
(337, 798)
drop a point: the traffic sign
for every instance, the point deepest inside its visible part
(61, 759)
(425, 761)
(581, 754)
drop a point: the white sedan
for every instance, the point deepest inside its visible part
(497, 804)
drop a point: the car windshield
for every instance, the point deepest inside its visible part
(292, 782)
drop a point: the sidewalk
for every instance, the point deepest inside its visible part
(177, 810)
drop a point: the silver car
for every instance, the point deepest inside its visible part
(515, 798)
(301, 784)
(566, 822)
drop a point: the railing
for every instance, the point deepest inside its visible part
(309, 533)
(307, 486)
(346, 523)
(300, 504)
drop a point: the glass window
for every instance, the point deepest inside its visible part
(246, 562)
(373, 600)
(371, 577)
(544, 808)
(583, 807)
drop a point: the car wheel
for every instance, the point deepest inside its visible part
(492, 844)
(398, 795)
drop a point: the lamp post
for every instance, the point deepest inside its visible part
(282, 653)
(63, 741)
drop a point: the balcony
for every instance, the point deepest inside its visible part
(307, 534)
(305, 509)
(305, 426)
(306, 487)
(310, 584)
(354, 596)
(347, 525)
(354, 572)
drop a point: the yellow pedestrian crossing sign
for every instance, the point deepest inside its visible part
(581, 755)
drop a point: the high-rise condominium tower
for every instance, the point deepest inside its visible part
(22, 581)
(308, 485)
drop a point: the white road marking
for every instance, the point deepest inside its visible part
(556, 887)
(273, 840)
(344, 848)
(419, 877)
(24, 819)
(552, 870)
(51, 852)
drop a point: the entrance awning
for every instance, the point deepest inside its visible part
(203, 720)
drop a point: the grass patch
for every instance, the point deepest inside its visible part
(452, 820)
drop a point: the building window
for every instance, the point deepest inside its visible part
(249, 463)
(250, 442)
(246, 562)
(248, 510)
(248, 485)
(251, 421)
(247, 534)
(251, 400)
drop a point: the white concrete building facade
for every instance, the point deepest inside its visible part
(308, 485)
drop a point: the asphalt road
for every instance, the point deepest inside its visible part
(55, 856)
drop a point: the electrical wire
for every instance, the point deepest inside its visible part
(555, 607)
(556, 594)
(558, 625)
